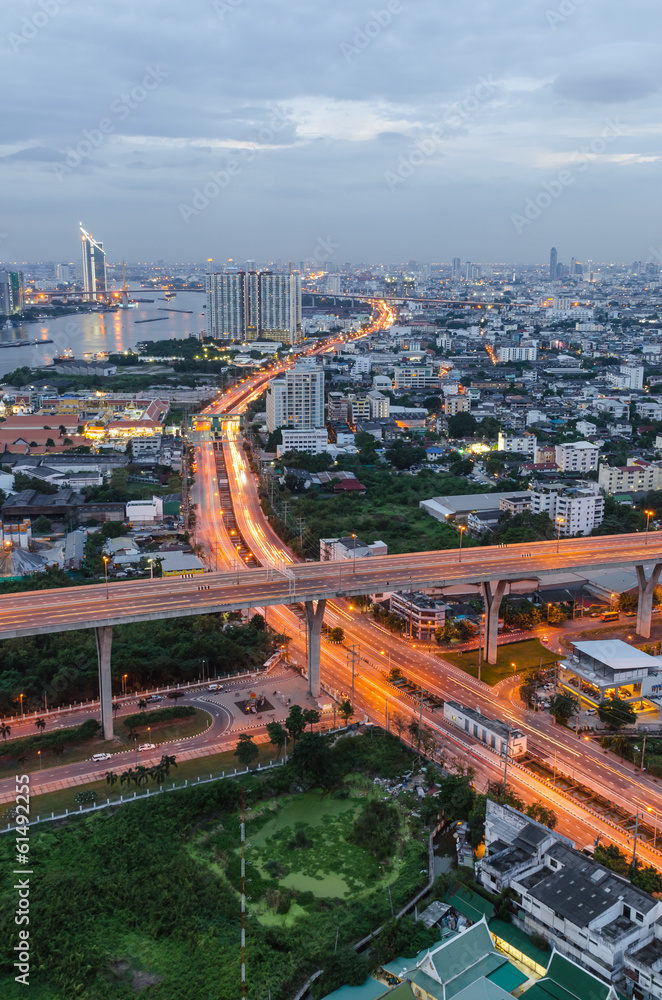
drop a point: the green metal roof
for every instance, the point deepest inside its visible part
(482, 969)
(401, 992)
(508, 977)
(469, 903)
(462, 952)
(520, 940)
(567, 981)
(483, 989)
(369, 990)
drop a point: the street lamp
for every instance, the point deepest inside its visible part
(559, 522)
(151, 568)
(548, 607)
(462, 531)
(124, 677)
(21, 697)
(105, 566)
(650, 809)
(354, 560)
(649, 514)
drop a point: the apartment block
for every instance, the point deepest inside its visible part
(577, 456)
(417, 377)
(576, 511)
(626, 478)
(422, 614)
(296, 399)
(313, 441)
(520, 444)
(457, 404)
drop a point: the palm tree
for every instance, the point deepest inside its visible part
(399, 724)
(40, 724)
(132, 735)
(345, 709)
(111, 778)
(21, 759)
(414, 731)
(5, 730)
(141, 775)
(167, 762)
(116, 708)
(58, 751)
(127, 776)
(174, 695)
(142, 704)
(158, 773)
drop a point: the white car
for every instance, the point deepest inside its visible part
(215, 687)
(102, 756)
(147, 746)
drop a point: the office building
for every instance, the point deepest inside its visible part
(296, 399)
(494, 733)
(417, 377)
(611, 668)
(94, 265)
(11, 292)
(457, 268)
(422, 614)
(576, 511)
(258, 305)
(553, 263)
(313, 441)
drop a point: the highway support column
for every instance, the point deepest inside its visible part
(646, 591)
(104, 634)
(314, 619)
(492, 599)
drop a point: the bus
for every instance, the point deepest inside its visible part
(610, 616)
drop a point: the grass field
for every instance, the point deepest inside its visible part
(512, 658)
(162, 732)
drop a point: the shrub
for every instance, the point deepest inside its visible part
(56, 738)
(141, 719)
(89, 795)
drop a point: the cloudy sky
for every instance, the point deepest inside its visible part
(189, 129)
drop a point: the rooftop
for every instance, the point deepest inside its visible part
(618, 655)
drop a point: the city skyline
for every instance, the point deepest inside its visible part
(348, 138)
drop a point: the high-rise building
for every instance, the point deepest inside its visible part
(11, 292)
(94, 264)
(553, 261)
(457, 268)
(254, 306)
(296, 399)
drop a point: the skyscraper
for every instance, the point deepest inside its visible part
(296, 399)
(259, 305)
(11, 292)
(553, 261)
(457, 268)
(94, 264)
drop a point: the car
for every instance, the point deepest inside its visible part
(545, 638)
(154, 697)
(214, 687)
(101, 756)
(147, 746)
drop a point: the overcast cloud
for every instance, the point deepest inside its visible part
(256, 128)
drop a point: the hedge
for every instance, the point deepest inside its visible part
(158, 715)
(56, 738)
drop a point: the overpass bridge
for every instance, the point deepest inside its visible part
(492, 572)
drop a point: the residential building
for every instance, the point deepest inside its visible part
(296, 399)
(584, 910)
(521, 444)
(545, 454)
(629, 478)
(575, 510)
(349, 548)
(628, 377)
(258, 305)
(480, 521)
(611, 668)
(368, 406)
(314, 441)
(577, 456)
(94, 265)
(416, 377)
(337, 407)
(457, 404)
(518, 352)
(515, 504)
(181, 564)
(421, 613)
(458, 508)
(494, 733)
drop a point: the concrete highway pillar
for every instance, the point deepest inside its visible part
(104, 636)
(314, 619)
(646, 591)
(492, 599)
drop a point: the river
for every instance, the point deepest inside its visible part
(87, 333)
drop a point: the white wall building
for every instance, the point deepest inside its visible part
(492, 732)
(524, 444)
(296, 399)
(417, 377)
(519, 352)
(630, 477)
(313, 441)
(577, 456)
(575, 510)
(139, 511)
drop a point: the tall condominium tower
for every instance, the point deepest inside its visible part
(94, 264)
(553, 261)
(258, 305)
(11, 292)
(296, 399)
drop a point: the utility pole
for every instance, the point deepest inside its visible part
(354, 650)
(243, 896)
(633, 866)
(302, 522)
(505, 769)
(643, 752)
(420, 720)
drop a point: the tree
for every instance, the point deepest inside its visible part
(399, 724)
(562, 707)
(5, 730)
(295, 723)
(529, 682)
(455, 795)
(174, 695)
(311, 716)
(246, 750)
(310, 757)
(50, 443)
(277, 735)
(394, 674)
(628, 602)
(377, 828)
(461, 425)
(403, 456)
(142, 704)
(540, 812)
(168, 761)
(345, 710)
(258, 622)
(477, 820)
(615, 713)
(336, 634)
(40, 724)
(42, 525)
(111, 778)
